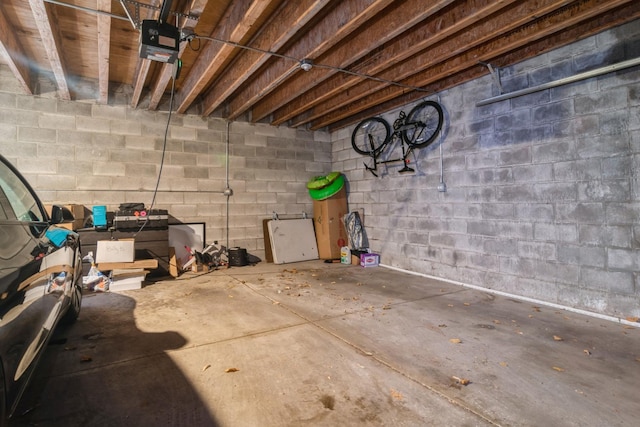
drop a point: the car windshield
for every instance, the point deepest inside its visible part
(16, 201)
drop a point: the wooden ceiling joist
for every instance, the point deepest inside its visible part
(478, 29)
(44, 16)
(142, 64)
(142, 70)
(287, 95)
(281, 28)
(15, 55)
(238, 26)
(244, 62)
(614, 17)
(193, 12)
(104, 42)
(438, 27)
(534, 32)
(326, 34)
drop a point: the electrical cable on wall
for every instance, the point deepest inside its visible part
(228, 192)
(175, 75)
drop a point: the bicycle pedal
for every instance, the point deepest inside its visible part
(406, 169)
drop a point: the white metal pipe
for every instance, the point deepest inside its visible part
(582, 76)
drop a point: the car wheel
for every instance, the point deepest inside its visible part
(74, 306)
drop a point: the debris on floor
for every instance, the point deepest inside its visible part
(461, 381)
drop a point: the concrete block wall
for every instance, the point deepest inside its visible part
(543, 190)
(79, 152)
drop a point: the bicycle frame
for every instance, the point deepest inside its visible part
(399, 125)
(372, 136)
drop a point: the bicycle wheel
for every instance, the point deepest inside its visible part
(422, 124)
(370, 135)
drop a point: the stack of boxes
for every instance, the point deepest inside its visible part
(78, 215)
(331, 235)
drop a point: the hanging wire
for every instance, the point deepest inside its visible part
(299, 61)
(164, 145)
(306, 61)
(164, 151)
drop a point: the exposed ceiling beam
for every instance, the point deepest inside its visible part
(104, 42)
(479, 28)
(44, 15)
(367, 56)
(619, 16)
(238, 26)
(140, 76)
(535, 38)
(193, 11)
(15, 55)
(142, 66)
(361, 44)
(470, 58)
(286, 22)
(435, 29)
(317, 41)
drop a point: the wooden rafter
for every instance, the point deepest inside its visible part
(51, 39)
(343, 56)
(478, 29)
(142, 69)
(538, 37)
(104, 42)
(290, 19)
(619, 16)
(237, 27)
(319, 39)
(193, 11)
(435, 29)
(16, 57)
(249, 66)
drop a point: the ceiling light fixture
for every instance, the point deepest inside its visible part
(306, 64)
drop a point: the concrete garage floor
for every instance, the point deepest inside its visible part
(322, 344)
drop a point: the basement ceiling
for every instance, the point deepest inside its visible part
(243, 63)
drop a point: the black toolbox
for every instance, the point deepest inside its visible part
(154, 219)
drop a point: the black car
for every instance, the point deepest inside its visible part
(40, 281)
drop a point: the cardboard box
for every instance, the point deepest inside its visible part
(115, 251)
(78, 216)
(126, 284)
(328, 221)
(199, 268)
(127, 279)
(355, 256)
(369, 260)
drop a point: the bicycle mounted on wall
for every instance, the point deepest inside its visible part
(417, 129)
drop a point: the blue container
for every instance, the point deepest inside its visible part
(100, 216)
